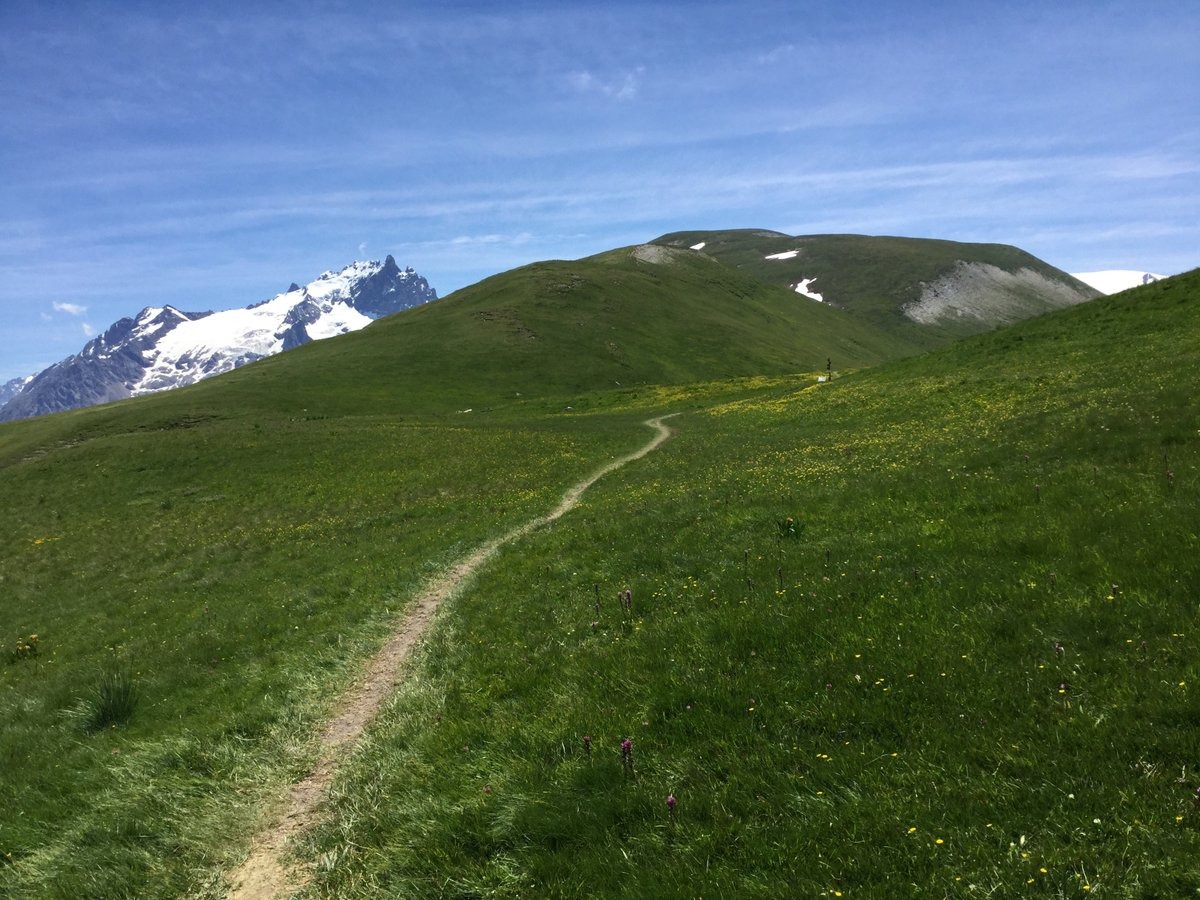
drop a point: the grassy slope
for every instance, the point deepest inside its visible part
(273, 521)
(238, 571)
(875, 706)
(548, 330)
(238, 546)
(873, 277)
(559, 328)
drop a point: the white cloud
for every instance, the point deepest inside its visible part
(88, 330)
(73, 309)
(776, 54)
(515, 239)
(624, 87)
(362, 249)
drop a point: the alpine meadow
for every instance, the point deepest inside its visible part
(923, 624)
(696, 451)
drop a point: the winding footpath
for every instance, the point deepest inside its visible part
(265, 874)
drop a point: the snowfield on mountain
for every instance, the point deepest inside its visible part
(163, 348)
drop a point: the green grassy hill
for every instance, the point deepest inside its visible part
(627, 317)
(232, 551)
(879, 278)
(964, 670)
(554, 329)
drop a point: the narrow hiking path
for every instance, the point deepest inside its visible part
(265, 874)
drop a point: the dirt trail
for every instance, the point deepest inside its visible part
(265, 874)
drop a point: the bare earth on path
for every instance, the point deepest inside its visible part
(264, 874)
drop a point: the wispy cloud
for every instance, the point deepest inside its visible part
(775, 54)
(496, 136)
(621, 87)
(88, 330)
(464, 240)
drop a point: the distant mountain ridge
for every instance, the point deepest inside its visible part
(10, 389)
(163, 347)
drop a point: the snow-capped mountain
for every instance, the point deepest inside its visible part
(1113, 281)
(163, 347)
(10, 389)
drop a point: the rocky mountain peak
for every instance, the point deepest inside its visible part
(163, 347)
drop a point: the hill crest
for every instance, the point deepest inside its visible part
(926, 290)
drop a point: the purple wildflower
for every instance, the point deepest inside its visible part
(671, 801)
(627, 756)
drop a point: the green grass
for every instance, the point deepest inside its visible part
(239, 547)
(239, 570)
(113, 703)
(868, 276)
(557, 329)
(875, 707)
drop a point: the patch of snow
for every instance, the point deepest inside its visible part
(1113, 281)
(786, 254)
(11, 388)
(337, 285)
(699, 246)
(802, 288)
(338, 319)
(216, 343)
(146, 326)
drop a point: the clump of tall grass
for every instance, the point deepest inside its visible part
(115, 700)
(110, 703)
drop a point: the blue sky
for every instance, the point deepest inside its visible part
(208, 156)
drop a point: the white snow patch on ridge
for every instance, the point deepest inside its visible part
(202, 347)
(334, 285)
(803, 288)
(1113, 281)
(338, 320)
(699, 246)
(786, 254)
